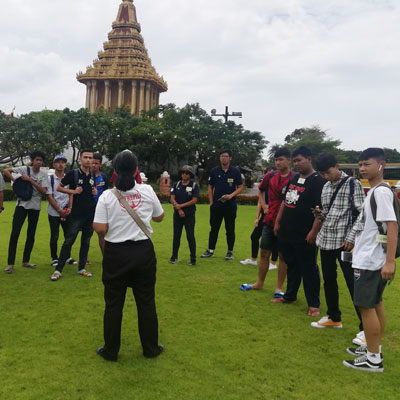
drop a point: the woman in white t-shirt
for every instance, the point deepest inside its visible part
(129, 259)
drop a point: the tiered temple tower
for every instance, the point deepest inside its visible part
(123, 75)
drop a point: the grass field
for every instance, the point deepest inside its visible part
(220, 343)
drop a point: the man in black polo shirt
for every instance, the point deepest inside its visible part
(82, 186)
(224, 184)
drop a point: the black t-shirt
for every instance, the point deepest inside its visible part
(224, 182)
(184, 193)
(84, 202)
(301, 195)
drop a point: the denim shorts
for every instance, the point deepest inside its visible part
(268, 240)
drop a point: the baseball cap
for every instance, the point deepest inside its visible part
(60, 157)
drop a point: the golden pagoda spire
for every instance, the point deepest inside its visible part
(123, 75)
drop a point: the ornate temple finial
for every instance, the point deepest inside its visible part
(123, 68)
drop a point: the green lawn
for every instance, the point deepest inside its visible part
(220, 343)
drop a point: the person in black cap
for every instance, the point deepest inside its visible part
(224, 184)
(184, 196)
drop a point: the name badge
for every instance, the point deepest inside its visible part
(230, 180)
(91, 181)
(189, 189)
(381, 239)
(301, 180)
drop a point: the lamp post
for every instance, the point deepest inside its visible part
(226, 114)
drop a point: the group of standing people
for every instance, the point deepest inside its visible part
(327, 210)
(306, 211)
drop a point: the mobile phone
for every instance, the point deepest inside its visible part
(346, 256)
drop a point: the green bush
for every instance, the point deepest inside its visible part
(242, 199)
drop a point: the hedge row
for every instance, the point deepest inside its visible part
(164, 198)
(242, 199)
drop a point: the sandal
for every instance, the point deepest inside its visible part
(245, 287)
(313, 312)
(278, 295)
(31, 266)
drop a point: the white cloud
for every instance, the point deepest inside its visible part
(283, 64)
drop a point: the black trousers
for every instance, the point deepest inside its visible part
(218, 212)
(255, 242)
(130, 264)
(75, 224)
(188, 222)
(19, 217)
(55, 223)
(329, 273)
(301, 260)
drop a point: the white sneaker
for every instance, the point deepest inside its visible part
(326, 322)
(85, 273)
(272, 266)
(56, 276)
(248, 261)
(359, 340)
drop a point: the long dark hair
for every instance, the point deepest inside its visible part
(125, 164)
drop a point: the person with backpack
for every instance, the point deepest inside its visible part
(274, 183)
(58, 208)
(184, 196)
(374, 263)
(29, 205)
(342, 199)
(81, 185)
(297, 230)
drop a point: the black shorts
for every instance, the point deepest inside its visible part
(268, 240)
(368, 288)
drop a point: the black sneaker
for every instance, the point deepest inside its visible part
(357, 351)
(229, 255)
(109, 357)
(71, 261)
(207, 254)
(160, 350)
(173, 260)
(54, 263)
(192, 263)
(363, 364)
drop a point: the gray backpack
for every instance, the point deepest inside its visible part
(396, 206)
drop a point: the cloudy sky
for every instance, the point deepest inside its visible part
(285, 64)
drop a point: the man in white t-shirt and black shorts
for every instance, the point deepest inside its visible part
(374, 261)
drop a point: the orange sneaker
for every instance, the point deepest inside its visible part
(326, 322)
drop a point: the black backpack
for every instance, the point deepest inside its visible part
(23, 189)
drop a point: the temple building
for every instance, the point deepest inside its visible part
(123, 75)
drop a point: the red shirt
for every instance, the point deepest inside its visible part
(276, 188)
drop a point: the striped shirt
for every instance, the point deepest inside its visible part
(338, 226)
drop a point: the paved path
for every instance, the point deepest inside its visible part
(253, 191)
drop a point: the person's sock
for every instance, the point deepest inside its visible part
(375, 358)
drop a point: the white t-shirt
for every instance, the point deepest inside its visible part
(41, 178)
(121, 226)
(62, 199)
(368, 253)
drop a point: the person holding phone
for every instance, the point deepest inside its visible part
(341, 196)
